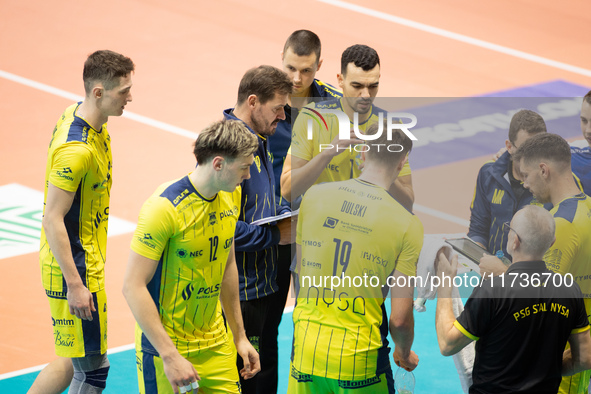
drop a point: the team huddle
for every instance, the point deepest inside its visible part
(207, 285)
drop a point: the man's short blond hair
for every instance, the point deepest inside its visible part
(227, 138)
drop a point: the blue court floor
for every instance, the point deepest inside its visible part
(435, 373)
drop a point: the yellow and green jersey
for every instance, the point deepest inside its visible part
(357, 232)
(571, 252)
(190, 236)
(325, 127)
(79, 160)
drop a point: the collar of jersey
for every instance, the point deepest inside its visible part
(84, 120)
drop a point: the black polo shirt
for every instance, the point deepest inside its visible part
(521, 329)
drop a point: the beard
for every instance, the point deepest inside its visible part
(359, 109)
(261, 127)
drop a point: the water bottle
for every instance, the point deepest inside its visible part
(404, 381)
(502, 257)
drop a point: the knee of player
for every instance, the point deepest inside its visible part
(92, 370)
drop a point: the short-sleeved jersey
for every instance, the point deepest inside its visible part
(521, 329)
(571, 252)
(79, 160)
(350, 229)
(325, 127)
(280, 141)
(581, 165)
(190, 236)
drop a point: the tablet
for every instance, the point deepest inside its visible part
(468, 248)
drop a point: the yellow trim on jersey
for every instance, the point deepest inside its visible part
(464, 331)
(578, 330)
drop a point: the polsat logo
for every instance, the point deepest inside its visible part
(393, 123)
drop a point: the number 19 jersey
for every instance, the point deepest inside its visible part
(190, 236)
(352, 235)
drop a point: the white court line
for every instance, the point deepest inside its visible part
(74, 97)
(25, 371)
(119, 349)
(458, 37)
(177, 130)
(440, 215)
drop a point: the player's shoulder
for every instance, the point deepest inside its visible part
(567, 209)
(326, 90)
(174, 191)
(328, 104)
(579, 146)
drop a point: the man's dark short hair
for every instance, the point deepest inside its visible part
(230, 139)
(362, 56)
(303, 43)
(105, 67)
(587, 97)
(390, 151)
(544, 146)
(264, 82)
(527, 120)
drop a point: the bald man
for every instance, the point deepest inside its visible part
(521, 328)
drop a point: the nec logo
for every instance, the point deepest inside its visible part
(345, 128)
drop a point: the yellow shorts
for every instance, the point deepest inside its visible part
(74, 337)
(309, 384)
(216, 368)
(575, 384)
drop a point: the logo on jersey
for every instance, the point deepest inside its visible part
(498, 196)
(182, 253)
(212, 219)
(330, 222)
(228, 243)
(187, 291)
(64, 173)
(62, 322)
(229, 212)
(180, 197)
(202, 292)
(146, 240)
(257, 161)
(101, 217)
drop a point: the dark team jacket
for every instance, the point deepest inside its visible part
(256, 246)
(495, 203)
(280, 141)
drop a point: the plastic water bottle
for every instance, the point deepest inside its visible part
(502, 257)
(404, 381)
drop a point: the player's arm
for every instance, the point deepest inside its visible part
(403, 192)
(57, 205)
(299, 174)
(231, 304)
(140, 271)
(559, 257)
(402, 324)
(578, 357)
(451, 340)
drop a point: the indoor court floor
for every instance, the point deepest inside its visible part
(466, 65)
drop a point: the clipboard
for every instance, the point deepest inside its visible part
(468, 248)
